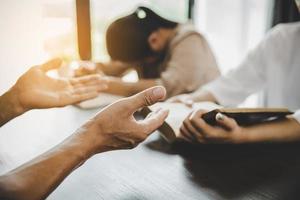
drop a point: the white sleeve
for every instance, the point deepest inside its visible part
(296, 115)
(249, 77)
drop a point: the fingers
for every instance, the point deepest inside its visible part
(208, 132)
(89, 84)
(189, 130)
(201, 128)
(88, 89)
(154, 120)
(82, 71)
(185, 134)
(83, 93)
(90, 79)
(145, 98)
(226, 122)
(76, 98)
(194, 128)
(51, 64)
(204, 129)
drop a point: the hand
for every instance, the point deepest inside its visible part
(195, 129)
(87, 68)
(35, 89)
(183, 98)
(112, 128)
(115, 126)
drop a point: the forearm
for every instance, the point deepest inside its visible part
(9, 107)
(277, 131)
(120, 87)
(39, 177)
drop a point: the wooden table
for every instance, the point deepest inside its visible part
(155, 169)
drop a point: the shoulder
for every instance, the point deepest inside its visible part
(186, 34)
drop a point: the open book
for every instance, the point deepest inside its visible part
(243, 116)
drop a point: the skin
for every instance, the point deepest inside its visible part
(37, 178)
(36, 90)
(114, 70)
(195, 129)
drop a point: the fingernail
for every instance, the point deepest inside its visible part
(159, 92)
(219, 116)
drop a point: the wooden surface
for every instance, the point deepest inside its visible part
(155, 170)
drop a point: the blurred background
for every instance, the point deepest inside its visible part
(33, 31)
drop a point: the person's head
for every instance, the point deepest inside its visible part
(138, 37)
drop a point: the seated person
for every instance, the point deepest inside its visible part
(273, 67)
(39, 177)
(163, 52)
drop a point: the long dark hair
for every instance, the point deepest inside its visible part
(127, 37)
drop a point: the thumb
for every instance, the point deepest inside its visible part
(146, 98)
(51, 64)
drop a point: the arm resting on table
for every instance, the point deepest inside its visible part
(39, 177)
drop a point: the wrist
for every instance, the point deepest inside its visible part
(246, 135)
(10, 106)
(90, 140)
(118, 86)
(13, 96)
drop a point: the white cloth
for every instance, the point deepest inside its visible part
(273, 66)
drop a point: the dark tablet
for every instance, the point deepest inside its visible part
(248, 116)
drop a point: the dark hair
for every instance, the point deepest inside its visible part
(127, 37)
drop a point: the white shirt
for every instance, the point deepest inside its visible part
(273, 66)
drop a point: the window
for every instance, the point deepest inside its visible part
(233, 27)
(59, 28)
(104, 12)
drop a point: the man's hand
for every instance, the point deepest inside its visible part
(37, 90)
(115, 126)
(195, 129)
(112, 128)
